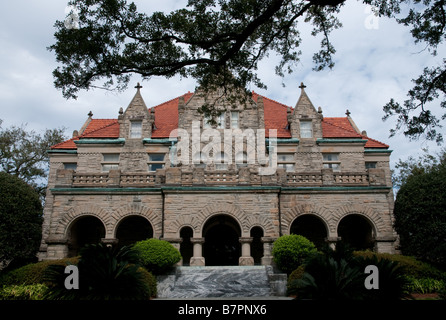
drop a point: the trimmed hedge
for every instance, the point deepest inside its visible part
(157, 256)
(290, 251)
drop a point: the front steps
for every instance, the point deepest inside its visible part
(221, 281)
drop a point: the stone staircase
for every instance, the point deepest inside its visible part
(221, 281)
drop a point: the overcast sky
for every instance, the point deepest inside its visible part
(375, 61)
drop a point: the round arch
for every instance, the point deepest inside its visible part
(256, 233)
(311, 227)
(186, 246)
(221, 245)
(358, 231)
(86, 229)
(133, 228)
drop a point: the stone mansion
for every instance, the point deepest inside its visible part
(120, 180)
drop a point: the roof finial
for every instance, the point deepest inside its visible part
(138, 86)
(90, 114)
(302, 86)
(348, 113)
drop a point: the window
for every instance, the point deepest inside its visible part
(156, 161)
(110, 161)
(221, 161)
(206, 123)
(135, 129)
(285, 161)
(241, 159)
(221, 121)
(370, 165)
(199, 160)
(234, 119)
(70, 166)
(331, 160)
(306, 129)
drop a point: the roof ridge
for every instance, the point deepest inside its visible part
(171, 100)
(275, 101)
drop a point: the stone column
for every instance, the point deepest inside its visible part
(175, 242)
(110, 242)
(197, 259)
(267, 258)
(246, 259)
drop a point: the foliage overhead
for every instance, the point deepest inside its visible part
(221, 42)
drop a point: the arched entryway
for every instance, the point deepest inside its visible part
(186, 246)
(84, 230)
(357, 231)
(311, 227)
(256, 244)
(132, 229)
(221, 245)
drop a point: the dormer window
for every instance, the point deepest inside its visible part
(306, 129)
(135, 129)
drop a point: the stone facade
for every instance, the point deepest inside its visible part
(116, 181)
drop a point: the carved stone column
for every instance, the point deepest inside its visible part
(197, 259)
(246, 259)
(267, 258)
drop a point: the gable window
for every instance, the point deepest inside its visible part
(135, 129)
(234, 119)
(306, 129)
(110, 161)
(331, 160)
(156, 161)
(286, 161)
(221, 121)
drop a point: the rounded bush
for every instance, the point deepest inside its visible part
(157, 256)
(290, 251)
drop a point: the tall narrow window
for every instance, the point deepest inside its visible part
(221, 161)
(135, 129)
(206, 123)
(110, 161)
(306, 129)
(241, 159)
(221, 121)
(234, 119)
(156, 161)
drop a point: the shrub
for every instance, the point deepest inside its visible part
(32, 273)
(23, 292)
(104, 274)
(290, 251)
(424, 285)
(157, 256)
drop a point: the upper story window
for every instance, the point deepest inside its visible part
(135, 129)
(241, 159)
(285, 161)
(234, 119)
(370, 165)
(156, 161)
(331, 160)
(221, 161)
(206, 122)
(70, 166)
(221, 121)
(306, 129)
(110, 161)
(199, 160)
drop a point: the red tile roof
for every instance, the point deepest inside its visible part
(166, 120)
